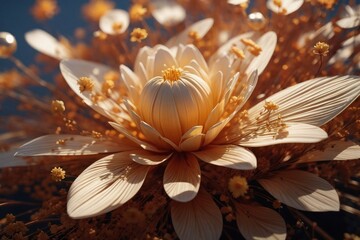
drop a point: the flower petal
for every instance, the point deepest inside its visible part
(335, 150)
(349, 22)
(230, 156)
(182, 178)
(198, 219)
(73, 69)
(141, 143)
(105, 185)
(114, 22)
(144, 157)
(46, 44)
(256, 222)
(315, 101)
(293, 133)
(7, 159)
(302, 190)
(64, 145)
(289, 6)
(168, 12)
(201, 28)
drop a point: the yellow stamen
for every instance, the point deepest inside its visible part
(172, 74)
(270, 106)
(138, 34)
(277, 3)
(57, 174)
(117, 26)
(194, 36)
(85, 84)
(237, 52)
(252, 47)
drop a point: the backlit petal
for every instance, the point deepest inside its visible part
(105, 185)
(182, 178)
(256, 222)
(302, 190)
(64, 145)
(198, 219)
(230, 156)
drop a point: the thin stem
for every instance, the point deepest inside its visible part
(321, 63)
(30, 74)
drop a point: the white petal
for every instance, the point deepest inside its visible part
(46, 44)
(182, 178)
(237, 2)
(289, 5)
(256, 222)
(127, 134)
(302, 190)
(315, 101)
(105, 185)
(7, 159)
(349, 22)
(51, 145)
(199, 219)
(224, 49)
(293, 133)
(149, 158)
(335, 150)
(267, 42)
(113, 17)
(168, 12)
(201, 28)
(230, 156)
(72, 70)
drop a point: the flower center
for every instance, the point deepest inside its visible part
(172, 74)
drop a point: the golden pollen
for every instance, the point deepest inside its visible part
(57, 106)
(85, 84)
(172, 74)
(57, 174)
(117, 26)
(321, 48)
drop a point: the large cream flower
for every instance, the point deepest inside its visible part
(180, 109)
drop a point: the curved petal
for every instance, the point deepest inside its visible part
(105, 185)
(230, 156)
(335, 150)
(46, 44)
(198, 219)
(349, 22)
(287, 7)
(182, 178)
(201, 28)
(114, 22)
(144, 157)
(293, 133)
(65, 145)
(256, 222)
(168, 12)
(314, 102)
(73, 69)
(302, 190)
(141, 143)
